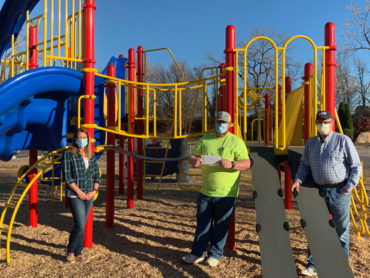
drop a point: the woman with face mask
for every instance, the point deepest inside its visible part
(81, 174)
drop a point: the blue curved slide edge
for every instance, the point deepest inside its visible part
(12, 18)
(36, 108)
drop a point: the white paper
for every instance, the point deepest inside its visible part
(210, 159)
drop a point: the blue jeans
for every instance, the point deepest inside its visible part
(339, 206)
(80, 211)
(213, 220)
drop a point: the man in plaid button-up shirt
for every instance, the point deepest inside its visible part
(335, 166)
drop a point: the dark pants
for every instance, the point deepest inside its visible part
(80, 210)
(213, 220)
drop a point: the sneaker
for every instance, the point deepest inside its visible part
(71, 258)
(212, 261)
(192, 259)
(309, 271)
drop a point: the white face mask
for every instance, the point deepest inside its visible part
(323, 128)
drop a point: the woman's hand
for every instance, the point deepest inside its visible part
(91, 194)
(82, 196)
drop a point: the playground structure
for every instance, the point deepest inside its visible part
(40, 106)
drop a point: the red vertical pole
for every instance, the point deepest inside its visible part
(140, 126)
(288, 182)
(230, 92)
(330, 66)
(89, 22)
(267, 118)
(109, 201)
(221, 93)
(230, 74)
(308, 71)
(131, 122)
(121, 157)
(280, 103)
(288, 86)
(33, 198)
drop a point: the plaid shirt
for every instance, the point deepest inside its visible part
(331, 161)
(74, 171)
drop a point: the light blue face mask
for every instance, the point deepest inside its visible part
(81, 143)
(221, 128)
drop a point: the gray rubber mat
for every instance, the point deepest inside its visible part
(272, 227)
(326, 249)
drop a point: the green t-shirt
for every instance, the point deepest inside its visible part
(218, 181)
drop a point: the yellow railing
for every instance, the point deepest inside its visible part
(361, 198)
(152, 91)
(280, 141)
(15, 199)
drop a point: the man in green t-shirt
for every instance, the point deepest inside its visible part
(222, 156)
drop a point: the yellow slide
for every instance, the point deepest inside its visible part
(294, 118)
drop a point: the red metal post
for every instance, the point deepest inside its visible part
(131, 122)
(267, 118)
(33, 198)
(288, 86)
(279, 104)
(221, 93)
(230, 74)
(109, 201)
(308, 71)
(121, 157)
(330, 66)
(140, 124)
(288, 182)
(89, 61)
(230, 94)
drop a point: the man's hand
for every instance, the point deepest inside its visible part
(194, 160)
(225, 163)
(295, 186)
(344, 191)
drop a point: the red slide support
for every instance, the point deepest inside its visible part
(89, 16)
(32, 158)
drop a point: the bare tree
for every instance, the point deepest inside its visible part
(357, 31)
(346, 81)
(363, 83)
(166, 98)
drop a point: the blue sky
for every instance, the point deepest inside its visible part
(193, 28)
